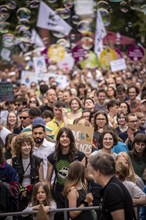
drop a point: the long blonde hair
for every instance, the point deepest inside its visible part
(132, 175)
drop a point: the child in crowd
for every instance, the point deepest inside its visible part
(41, 196)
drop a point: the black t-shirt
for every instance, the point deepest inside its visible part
(61, 166)
(115, 196)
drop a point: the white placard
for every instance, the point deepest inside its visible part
(117, 65)
(28, 77)
(61, 80)
(39, 64)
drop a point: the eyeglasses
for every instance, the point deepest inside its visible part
(23, 117)
(100, 119)
(17, 104)
(133, 121)
(32, 101)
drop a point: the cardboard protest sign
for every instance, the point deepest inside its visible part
(41, 214)
(83, 137)
(6, 92)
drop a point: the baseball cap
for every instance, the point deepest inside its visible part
(38, 121)
(142, 101)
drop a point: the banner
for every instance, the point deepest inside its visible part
(100, 33)
(83, 137)
(49, 20)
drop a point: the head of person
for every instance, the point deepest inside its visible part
(111, 82)
(38, 130)
(91, 118)
(124, 107)
(124, 158)
(122, 171)
(65, 140)
(132, 121)
(33, 85)
(103, 165)
(81, 90)
(75, 104)
(23, 145)
(51, 96)
(82, 121)
(89, 104)
(47, 115)
(67, 96)
(141, 118)
(113, 107)
(20, 103)
(86, 114)
(101, 96)
(121, 92)
(57, 109)
(100, 120)
(34, 112)
(76, 173)
(121, 118)
(10, 140)
(108, 139)
(41, 194)
(24, 118)
(10, 105)
(143, 106)
(33, 102)
(12, 120)
(132, 92)
(139, 144)
(111, 92)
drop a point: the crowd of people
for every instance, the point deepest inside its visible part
(40, 164)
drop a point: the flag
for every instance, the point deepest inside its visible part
(36, 40)
(49, 20)
(100, 33)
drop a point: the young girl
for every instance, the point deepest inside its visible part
(75, 192)
(41, 196)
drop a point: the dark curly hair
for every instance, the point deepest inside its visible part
(20, 141)
(72, 148)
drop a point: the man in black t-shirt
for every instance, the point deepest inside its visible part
(116, 200)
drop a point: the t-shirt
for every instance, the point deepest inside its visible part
(115, 196)
(61, 166)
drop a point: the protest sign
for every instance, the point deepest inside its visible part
(117, 65)
(6, 92)
(39, 64)
(27, 77)
(83, 137)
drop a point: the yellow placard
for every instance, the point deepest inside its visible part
(56, 52)
(107, 55)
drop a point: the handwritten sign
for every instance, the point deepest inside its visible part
(117, 65)
(83, 137)
(6, 92)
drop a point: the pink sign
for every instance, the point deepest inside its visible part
(79, 53)
(135, 52)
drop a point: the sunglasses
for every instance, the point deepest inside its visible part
(23, 117)
(17, 104)
(32, 101)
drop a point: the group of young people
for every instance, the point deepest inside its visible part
(40, 165)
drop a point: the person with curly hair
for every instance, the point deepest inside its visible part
(28, 166)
